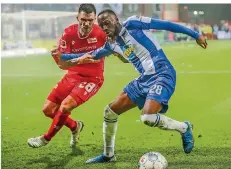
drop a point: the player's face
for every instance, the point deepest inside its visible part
(108, 22)
(86, 21)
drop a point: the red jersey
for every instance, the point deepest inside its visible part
(71, 42)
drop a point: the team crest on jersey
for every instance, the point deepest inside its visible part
(91, 40)
(73, 42)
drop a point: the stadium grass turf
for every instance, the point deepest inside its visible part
(202, 96)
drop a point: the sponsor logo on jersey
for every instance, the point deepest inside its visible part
(91, 40)
(85, 48)
(128, 51)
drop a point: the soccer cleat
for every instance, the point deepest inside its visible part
(101, 159)
(187, 138)
(76, 133)
(37, 142)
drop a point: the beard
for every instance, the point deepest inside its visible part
(86, 30)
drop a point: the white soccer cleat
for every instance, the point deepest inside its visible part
(75, 134)
(37, 142)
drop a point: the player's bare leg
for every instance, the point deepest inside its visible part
(152, 118)
(122, 104)
(50, 109)
(59, 119)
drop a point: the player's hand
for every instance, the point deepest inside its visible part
(55, 52)
(56, 55)
(202, 41)
(86, 58)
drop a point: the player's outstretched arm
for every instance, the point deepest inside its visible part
(141, 22)
(69, 61)
(80, 58)
(88, 57)
(92, 56)
(136, 22)
(177, 28)
(107, 50)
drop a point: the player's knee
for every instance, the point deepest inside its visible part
(109, 115)
(66, 108)
(68, 105)
(151, 120)
(47, 111)
(151, 107)
(122, 104)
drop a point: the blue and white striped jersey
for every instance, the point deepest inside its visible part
(138, 45)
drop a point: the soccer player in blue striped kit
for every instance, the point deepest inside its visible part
(133, 42)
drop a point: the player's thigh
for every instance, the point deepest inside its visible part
(62, 89)
(122, 104)
(50, 107)
(135, 92)
(86, 89)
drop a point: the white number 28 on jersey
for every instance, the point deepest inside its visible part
(88, 86)
(156, 89)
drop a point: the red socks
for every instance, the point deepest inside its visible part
(70, 123)
(58, 122)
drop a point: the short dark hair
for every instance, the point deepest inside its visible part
(108, 11)
(88, 8)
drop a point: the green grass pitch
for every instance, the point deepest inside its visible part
(203, 96)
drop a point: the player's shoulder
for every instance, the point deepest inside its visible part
(71, 29)
(134, 21)
(130, 21)
(132, 18)
(138, 18)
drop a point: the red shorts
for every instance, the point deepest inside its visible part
(81, 88)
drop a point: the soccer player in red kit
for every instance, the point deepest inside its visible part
(81, 82)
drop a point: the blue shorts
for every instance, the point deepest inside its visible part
(158, 87)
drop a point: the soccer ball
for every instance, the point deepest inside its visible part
(153, 160)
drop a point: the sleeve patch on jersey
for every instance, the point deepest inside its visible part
(145, 19)
(134, 17)
(63, 43)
